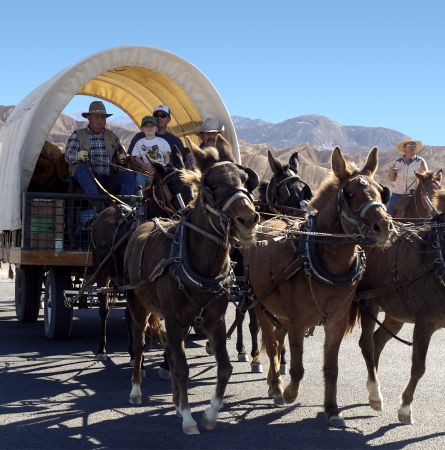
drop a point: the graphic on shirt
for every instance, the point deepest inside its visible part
(153, 152)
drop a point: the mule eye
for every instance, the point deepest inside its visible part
(212, 187)
(348, 195)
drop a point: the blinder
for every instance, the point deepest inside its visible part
(385, 194)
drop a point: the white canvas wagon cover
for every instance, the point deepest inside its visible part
(133, 78)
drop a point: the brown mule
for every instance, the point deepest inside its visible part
(420, 204)
(182, 272)
(113, 227)
(304, 283)
(407, 282)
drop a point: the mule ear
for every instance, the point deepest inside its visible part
(274, 164)
(224, 149)
(252, 181)
(339, 164)
(371, 164)
(177, 160)
(385, 194)
(439, 175)
(294, 161)
(420, 175)
(158, 167)
(200, 156)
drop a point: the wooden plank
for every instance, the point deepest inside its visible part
(16, 255)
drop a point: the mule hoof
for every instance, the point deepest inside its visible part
(376, 405)
(135, 400)
(283, 369)
(209, 425)
(243, 357)
(278, 400)
(404, 414)
(337, 422)
(190, 429)
(164, 374)
(101, 357)
(209, 348)
(288, 397)
(256, 368)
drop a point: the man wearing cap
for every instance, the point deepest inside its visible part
(155, 147)
(402, 170)
(90, 151)
(208, 131)
(162, 115)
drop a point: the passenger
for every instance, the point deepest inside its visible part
(157, 148)
(163, 118)
(208, 131)
(402, 170)
(90, 151)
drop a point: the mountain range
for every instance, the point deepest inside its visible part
(313, 136)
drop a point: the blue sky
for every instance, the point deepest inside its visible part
(358, 62)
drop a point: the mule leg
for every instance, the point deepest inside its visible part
(296, 340)
(334, 332)
(283, 361)
(421, 340)
(218, 339)
(254, 329)
(240, 348)
(381, 336)
(274, 379)
(104, 310)
(138, 326)
(179, 373)
(366, 343)
(128, 321)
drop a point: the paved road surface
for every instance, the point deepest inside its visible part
(55, 395)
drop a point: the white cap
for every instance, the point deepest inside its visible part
(163, 108)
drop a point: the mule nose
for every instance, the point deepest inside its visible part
(249, 220)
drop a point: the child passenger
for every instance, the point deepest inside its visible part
(157, 148)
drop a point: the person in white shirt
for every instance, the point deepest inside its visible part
(401, 173)
(155, 147)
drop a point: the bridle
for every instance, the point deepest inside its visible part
(273, 189)
(164, 197)
(355, 216)
(218, 208)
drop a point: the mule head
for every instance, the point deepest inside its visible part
(360, 199)
(286, 190)
(429, 181)
(170, 191)
(226, 189)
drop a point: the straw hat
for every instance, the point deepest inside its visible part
(407, 140)
(210, 125)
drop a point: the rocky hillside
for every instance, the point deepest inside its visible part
(312, 136)
(317, 131)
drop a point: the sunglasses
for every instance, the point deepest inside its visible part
(163, 115)
(410, 145)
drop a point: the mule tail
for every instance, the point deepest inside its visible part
(155, 326)
(354, 316)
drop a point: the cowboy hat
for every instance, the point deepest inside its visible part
(96, 107)
(210, 125)
(407, 140)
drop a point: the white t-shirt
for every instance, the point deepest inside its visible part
(157, 149)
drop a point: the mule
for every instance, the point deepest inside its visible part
(419, 205)
(182, 272)
(407, 282)
(286, 193)
(305, 281)
(113, 227)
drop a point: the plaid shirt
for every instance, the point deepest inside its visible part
(97, 151)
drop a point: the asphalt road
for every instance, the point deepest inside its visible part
(55, 395)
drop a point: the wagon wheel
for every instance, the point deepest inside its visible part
(28, 288)
(57, 317)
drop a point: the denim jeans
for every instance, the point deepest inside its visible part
(392, 201)
(119, 183)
